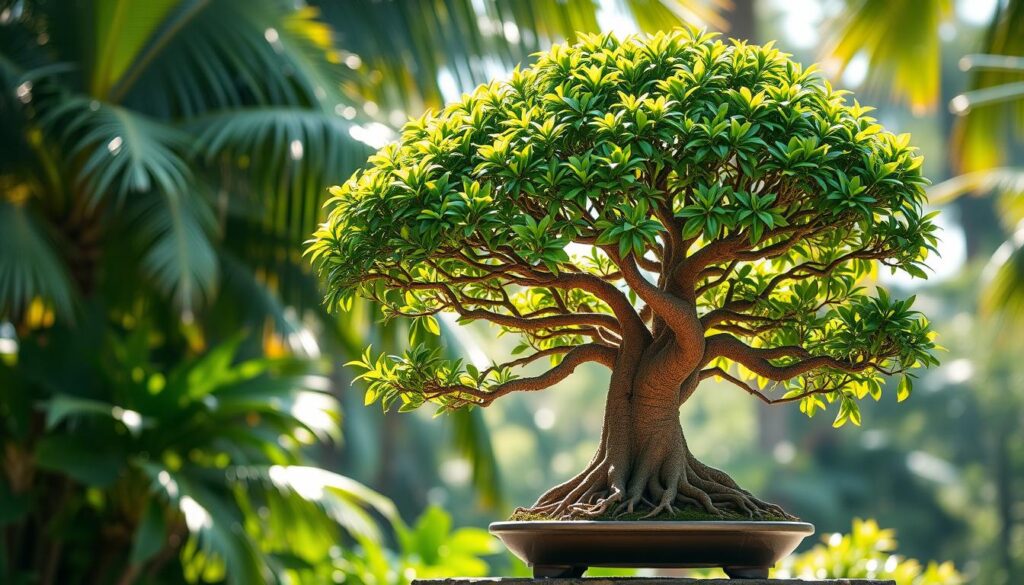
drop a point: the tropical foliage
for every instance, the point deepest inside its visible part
(984, 151)
(158, 174)
(429, 549)
(646, 152)
(867, 552)
(131, 461)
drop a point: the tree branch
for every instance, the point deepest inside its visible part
(757, 359)
(679, 315)
(721, 373)
(574, 358)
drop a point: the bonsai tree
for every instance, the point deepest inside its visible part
(672, 207)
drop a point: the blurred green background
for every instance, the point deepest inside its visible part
(171, 390)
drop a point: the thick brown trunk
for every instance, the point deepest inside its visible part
(643, 462)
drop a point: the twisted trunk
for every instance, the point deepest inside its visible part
(643, 462)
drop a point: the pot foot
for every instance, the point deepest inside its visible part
(746, 572)
(558, 571)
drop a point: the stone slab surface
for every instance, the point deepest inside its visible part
(646, 581)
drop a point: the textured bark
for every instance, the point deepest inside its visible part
(643, 462)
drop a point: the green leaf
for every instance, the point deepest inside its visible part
(31, 267)
(431, 324)
(150, 534)
(78, 459)
(118, 45)
(905, 388)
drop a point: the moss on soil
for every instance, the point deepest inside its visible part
(690, 514)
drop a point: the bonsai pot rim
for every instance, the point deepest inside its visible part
(774, 526)
(566, 548)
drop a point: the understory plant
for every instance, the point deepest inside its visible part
(127, 462)
(867, 552)
(672, 207)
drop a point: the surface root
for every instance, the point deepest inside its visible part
(660, 483)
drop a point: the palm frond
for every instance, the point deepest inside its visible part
(992, 111)
(122, 152)
(1003, 298)
(218, 546)
(413, 51)
(139, 165)
(900, 41)
(270, 54)
(122, 29)
(284, 157)
(173, 229)
(1006, 180)
(30, 267)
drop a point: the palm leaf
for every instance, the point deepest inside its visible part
(122, 29)
(135, 163)
(30, 267)
(1006, 180)
(901, 43)
(270, 54)
(218, 545)
(174, 230)
(417, 50)
(122, 152)
(1003, 298)
(284, 157)
(993, 98)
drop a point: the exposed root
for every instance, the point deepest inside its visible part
(662, 481)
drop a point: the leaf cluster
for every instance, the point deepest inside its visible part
(743, 183)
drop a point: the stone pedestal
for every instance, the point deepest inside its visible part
(646, 581)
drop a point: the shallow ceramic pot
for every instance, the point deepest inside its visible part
(568, 548)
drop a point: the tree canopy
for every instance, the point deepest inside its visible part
(670, 189)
